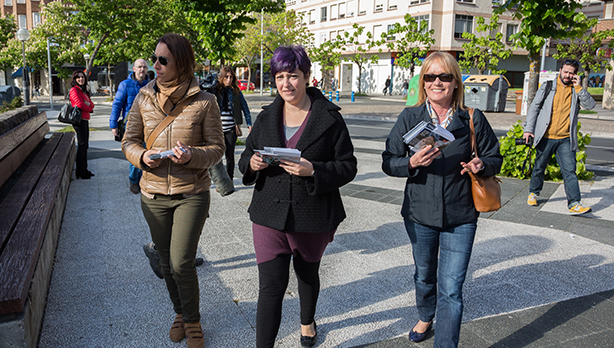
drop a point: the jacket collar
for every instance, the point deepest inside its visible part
(150, 91)
(140, 84)
(321, 118)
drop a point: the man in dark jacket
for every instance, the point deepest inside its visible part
(126, 92)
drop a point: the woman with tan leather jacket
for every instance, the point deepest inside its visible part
(171, 113)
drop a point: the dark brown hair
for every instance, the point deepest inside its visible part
(182, 50)
(234, 85)
(74, 83)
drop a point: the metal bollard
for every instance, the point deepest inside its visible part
(330, 96)
(353, 96)
(337, 95)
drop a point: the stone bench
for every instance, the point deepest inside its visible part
(34, 177)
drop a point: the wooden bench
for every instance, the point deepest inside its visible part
(34, 174)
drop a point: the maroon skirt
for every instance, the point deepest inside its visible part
(270, 243)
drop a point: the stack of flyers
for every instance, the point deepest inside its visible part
(426, 133)
(273, 155)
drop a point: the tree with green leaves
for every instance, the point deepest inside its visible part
(328, 54)
(484, 52)
(280, 29)
(411, 40)
(358, 50)
(220, 23)
(542, 19)
(8, 27)
(586, 50)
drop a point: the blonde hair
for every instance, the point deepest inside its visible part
(449, 64)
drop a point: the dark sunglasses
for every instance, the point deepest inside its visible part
(163, 60)
(572, 62)
(442, 77)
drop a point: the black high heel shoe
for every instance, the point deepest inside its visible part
(309, 341)
(90, 173)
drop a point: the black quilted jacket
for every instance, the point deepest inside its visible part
(301, 204)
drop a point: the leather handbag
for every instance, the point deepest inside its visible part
(70, 115)
(485, 189)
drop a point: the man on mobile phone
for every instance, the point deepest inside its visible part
(553, 122)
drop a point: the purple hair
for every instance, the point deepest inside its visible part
(290, 58)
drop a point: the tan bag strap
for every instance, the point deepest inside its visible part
(474, 146)
(169, 118)
(159, 130)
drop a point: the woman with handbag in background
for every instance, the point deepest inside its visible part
(171, 113)
(80, 98)
(438, 208)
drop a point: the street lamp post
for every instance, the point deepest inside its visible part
(50, 78)
(261, 51)
(23, 35)
(87, 60)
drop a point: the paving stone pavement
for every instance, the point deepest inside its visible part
(538, 277)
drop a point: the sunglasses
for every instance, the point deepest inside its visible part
(442, 77)
(163, 60)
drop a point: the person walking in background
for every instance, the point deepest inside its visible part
(387, 86)
(334, 84)
(126, 93)
(552, 125)
(314, 82)
(232, 103)
(296, 207)
(172, 112)
(438, 210)
(80, 97)
(405, 87)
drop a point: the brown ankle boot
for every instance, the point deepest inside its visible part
(177, 332)
(194, 333)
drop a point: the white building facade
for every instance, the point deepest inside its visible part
(449, 18)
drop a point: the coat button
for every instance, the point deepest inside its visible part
(276, 200)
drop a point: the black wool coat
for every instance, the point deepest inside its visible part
(438, 195)
(301, 204)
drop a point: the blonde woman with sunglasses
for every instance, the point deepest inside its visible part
(438, 209)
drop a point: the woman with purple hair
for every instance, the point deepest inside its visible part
(296, 207)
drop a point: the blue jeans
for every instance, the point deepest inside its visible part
(135, 174)
(567, 162)
(439, 280)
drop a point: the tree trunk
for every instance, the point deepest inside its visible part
(359, 76)
(94, 54)
(249, 75)
(109, 79)
(534, 61)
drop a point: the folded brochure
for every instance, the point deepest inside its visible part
(426, 133)
(273, 155)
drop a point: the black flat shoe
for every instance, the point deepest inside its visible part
(419, 337)
(309, 341)
(83, 175)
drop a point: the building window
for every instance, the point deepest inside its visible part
(342, 10)
(322, 38)
(496, 3)
(423, 18)
(362, 7)
(312, 16)
(22, 22)
(379, 6)
(8, 2)
(466, 1)
(21, 1)
(332, 35)
(351, 8)
(463, 24)
(323, 14)
(333, 12)
(378, 30)
(36, 19)
(511, 30)
(416, 2)
(392, 4)
(390, 37)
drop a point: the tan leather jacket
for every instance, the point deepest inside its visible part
(199, 126)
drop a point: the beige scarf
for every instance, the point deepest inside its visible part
(171, 92)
